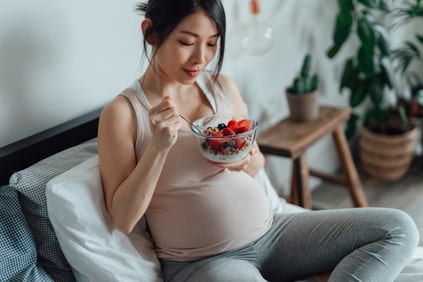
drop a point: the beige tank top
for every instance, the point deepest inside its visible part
(198, 209)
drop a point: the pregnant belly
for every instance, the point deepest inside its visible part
(222, 213)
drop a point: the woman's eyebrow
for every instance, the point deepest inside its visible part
(196, 34)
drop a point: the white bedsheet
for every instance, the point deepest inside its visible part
(413, 272)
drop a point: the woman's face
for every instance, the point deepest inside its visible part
(188, 49)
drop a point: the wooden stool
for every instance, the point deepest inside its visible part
(291, 139)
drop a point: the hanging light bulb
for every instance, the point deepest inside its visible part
(256, 34)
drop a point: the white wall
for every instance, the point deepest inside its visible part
(60, 59)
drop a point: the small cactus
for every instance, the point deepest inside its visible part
(305, 83)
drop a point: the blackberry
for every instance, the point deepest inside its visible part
(205, 145)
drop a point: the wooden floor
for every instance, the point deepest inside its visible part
(405, 194)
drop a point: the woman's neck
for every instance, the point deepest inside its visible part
(190, 99)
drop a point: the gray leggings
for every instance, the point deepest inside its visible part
(360, 244)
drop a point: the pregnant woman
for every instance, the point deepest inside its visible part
(212, 221)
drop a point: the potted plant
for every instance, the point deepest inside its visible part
(303, 94)
(369, 77)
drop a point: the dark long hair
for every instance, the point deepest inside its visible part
(167, 14)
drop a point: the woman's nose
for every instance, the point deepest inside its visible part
(199, 55)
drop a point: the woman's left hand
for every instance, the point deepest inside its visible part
(241, 164)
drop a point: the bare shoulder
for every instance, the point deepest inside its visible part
(238, 103)
(119, 110)
(117, 117)
(118, 106)
(229, 82)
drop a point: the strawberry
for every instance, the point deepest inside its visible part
(244, 123)
(215, 143)
(232, 124)
(242, 129)
(239, 143)
(228, 131)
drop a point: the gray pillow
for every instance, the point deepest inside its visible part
(31, 185)
(18, 259)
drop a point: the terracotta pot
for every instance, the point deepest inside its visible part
(303, 108)
(387, 157)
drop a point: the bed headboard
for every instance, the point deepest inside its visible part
(25, 152)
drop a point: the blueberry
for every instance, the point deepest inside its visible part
(221, 126)
(225, 144)
(232, 143)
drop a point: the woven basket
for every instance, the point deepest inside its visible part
(387, 157)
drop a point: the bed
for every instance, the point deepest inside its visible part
(54, 223)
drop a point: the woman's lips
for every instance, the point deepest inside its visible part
(192, 73)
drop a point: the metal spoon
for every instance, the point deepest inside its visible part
(197, 129)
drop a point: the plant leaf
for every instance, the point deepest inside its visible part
(349, 75)
(366, 61)
(358, 94)
(346, 5)
(382, 39)
(388, 73)
(366, 34)
(403, 56)
(375, 4)
(370, 3)
(376, 93)
(343, 27)
(403, 116)
(375, 115)
(413, 47)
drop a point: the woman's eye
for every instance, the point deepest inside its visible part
(186, 43)
(211, 44)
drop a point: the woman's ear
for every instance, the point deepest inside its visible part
(146, 24)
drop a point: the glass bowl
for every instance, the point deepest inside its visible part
(225, 138)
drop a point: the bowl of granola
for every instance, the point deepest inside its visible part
(225, 138)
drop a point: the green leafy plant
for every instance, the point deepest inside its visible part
(408, 56)
(368, 74)
(408, 11)
(305, 82)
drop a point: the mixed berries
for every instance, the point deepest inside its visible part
(227, 142)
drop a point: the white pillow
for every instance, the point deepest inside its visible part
(96, 251)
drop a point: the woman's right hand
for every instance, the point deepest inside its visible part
(164, 123)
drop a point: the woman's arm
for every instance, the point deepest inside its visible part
(129, 186)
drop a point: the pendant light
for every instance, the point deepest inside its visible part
(256, 34)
